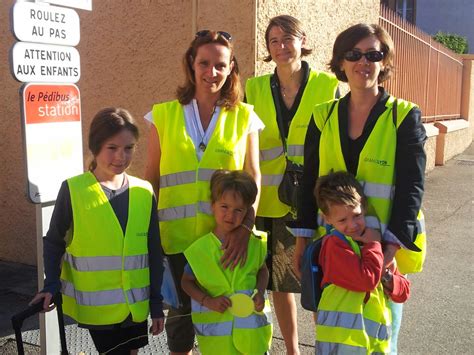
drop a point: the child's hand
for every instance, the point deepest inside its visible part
(157, 325)
(217, 304)
(369, 235)
(45, 298)
(259, 301)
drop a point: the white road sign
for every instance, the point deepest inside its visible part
(42, 23)
(35, 62)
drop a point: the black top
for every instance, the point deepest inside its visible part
(410, 164)
(54, 243)
(285, 113)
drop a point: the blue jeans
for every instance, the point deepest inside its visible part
(397, 309)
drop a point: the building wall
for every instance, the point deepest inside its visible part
(322, 20)
(453, 16)
(131, 54)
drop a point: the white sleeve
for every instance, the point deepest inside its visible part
(149, 117)
(255, 124)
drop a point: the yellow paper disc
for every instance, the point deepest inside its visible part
(242, 305)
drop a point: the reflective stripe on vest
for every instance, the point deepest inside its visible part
(176, 213)
(320, 87)
(103, 263)
(105, 275)
(270, 154)
(295, 150)
(184, 197)
(337, 348)
(185, 177)
(106, 297)
(384, 191)
(271, 180)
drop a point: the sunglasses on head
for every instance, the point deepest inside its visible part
(372, 56)
(204, 33)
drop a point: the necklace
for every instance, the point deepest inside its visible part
(197, 120)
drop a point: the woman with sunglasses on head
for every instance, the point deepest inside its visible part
(377, 138)
(206, 128)
(284, 101)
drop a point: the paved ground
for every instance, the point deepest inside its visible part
(439, 317)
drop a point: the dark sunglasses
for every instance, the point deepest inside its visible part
(204, 33)
(372, 56)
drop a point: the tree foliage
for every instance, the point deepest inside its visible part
(456, 43)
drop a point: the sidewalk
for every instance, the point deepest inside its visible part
(438, 319)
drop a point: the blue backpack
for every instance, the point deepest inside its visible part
(312, 273)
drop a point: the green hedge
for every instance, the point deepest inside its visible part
(454, 42)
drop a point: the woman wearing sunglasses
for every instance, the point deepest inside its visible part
(284, 100)
(377, 138)
(206, 128)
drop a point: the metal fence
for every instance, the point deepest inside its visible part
(426, 72)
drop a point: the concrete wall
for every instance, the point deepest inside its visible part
(131, 53)
(322, 20)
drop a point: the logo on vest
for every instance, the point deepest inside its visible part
(376, 161)
(142, 234)
(225, 151)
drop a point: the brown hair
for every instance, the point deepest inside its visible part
(289, 25)
(349, 38)
(231, 92)
(107, 123)
(339, 188)
(238, 181)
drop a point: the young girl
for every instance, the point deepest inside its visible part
(105, 225)
(218, 292)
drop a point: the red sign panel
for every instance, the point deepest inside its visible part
(51, 103)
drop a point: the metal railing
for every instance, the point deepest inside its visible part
(426, 72)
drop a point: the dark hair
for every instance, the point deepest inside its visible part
(238, 181)
(339, 188)
(289, 25)
(349, 38)
(231, 92)
(107, 123)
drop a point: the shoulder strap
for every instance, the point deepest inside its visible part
(276, 99)
(394, 112)
(331, 109)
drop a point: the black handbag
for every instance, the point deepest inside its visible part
(289, 190)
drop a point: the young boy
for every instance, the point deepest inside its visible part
(352, 316)
(220, 295)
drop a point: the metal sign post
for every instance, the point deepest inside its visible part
(45, 58)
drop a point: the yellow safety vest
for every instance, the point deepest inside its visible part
(184, 208)
(375, 171)
(321, 87)
(347, 325)
(222, 332)
(105, 274)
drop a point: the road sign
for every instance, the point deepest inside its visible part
(35, 62)
(78, 4)
(41, 23)
(53, 137)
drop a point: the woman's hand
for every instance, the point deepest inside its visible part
(235, 247)
(157, 325)
(217, 304)
(259, 301)
(298, 255)
(389, 251)
(44, 297)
